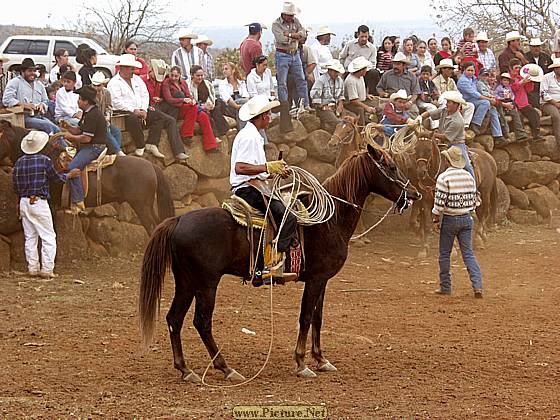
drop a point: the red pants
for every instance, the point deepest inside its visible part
(190, 114)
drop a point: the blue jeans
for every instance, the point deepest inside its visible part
(481, 107)
(464, 148)
(114, 138)
(41, 123)
(70, 120)
(462, 228)
(290, 63)
(82, 158)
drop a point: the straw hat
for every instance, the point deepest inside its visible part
(513, 35)
(400, 58)
(455, 157)
(160, 69)
(324, 30)
(187, 34)
(203, 39)
(399, 94)
(533, 72)
(128, 60)
(482, 36)
(98, 78)
(289, 8)
(359, 63)
(34, 142)
(445, 63)
(256, 106)
(4, 59)
(535, 42)
(505, 75)
(555, 63)
(335, 65)
(454, 96)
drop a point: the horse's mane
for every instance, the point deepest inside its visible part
(352, 176)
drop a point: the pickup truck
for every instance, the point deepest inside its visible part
(41, 49)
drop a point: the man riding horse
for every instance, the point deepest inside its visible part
(250, 170)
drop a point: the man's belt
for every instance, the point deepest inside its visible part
(282, 50)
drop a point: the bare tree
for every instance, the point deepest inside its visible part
(145, 21)
(529, 17)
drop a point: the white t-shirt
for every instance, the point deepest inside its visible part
(66, 104)
(323, 55)
(54, 73)
(260, 86)
(248, 147)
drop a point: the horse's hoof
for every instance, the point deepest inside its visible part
(191, 377)
(234, 376)
(326, 367)
(306, 373)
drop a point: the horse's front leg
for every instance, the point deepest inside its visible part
(323, 365)
(309, 299)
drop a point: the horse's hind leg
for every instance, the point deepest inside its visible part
(175, 317)
(323, 365)
(146, 215)
(205, 302)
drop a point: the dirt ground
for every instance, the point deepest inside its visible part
(70, 347)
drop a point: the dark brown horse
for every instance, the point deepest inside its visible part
(129, 179)
(203, 245)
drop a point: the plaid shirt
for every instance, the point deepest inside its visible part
(207, 64)
(487, 59)
(327, 91)
(32, 174)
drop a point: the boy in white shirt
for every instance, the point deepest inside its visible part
(66, 108)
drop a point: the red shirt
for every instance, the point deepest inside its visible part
(248, 50)
(168, 88)
(520, 91)
(154, 88)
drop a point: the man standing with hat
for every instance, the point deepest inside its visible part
(207, 61)
(287, 31)
(513, 50)
(550, 97)
(321, 50)
(327, 95)
(251, 47)
(536, 56)
(455, 199)
(31, 176)
(249, 165)
(361, 46)
(355, 91)
(187, 55)
(486, 56)
(30, 94)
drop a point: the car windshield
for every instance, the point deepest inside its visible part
(92, 44)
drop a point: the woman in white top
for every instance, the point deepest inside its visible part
(63, 65)
(259, 81)
(233, 91)
(424, 57)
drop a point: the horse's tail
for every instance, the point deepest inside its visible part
(157, 260)
(164, 200)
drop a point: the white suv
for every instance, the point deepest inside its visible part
(41, 49)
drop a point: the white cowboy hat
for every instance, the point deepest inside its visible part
(289, 8)
(203, 39)
(506, 75)
(513, 35)
(34, 142)
(533, 72)
(4, 59)
(187, 34)
(535, 42)
(359, 63)
(400, 58)
(160, 69)
(335, 65)
(399, 94)
(256, 106)
(445, 63)
(324, 30)
(128, 60)
(453, 96)
(555, 63)
(482, 36)
(98, 78)
(455, 157)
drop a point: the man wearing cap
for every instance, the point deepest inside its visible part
(513, 50)
(361, 46)
(327, 95)
(187, 55)
(321, 50)
(454, 200)
(550, 97)
(66, 107)
(207, 61)
(249, 165)
(486, 56)
(445, 83)
(355, 92)
(31, 176)
(399, 78)
(287, 31)
(251, 47)
(30, 94)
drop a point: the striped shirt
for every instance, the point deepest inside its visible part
(327, 91)
(455, 193)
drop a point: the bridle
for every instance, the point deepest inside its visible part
(349, 138)
(429, 187)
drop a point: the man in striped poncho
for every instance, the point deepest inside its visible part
(455, 199)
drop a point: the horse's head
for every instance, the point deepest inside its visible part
(389, 181)
(344, 132)
(423, 153)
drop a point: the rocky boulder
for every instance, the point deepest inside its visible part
(271, 151)
(502, 160)
(502, 206)
(299, 134)
(17, 252)
(542, 200)
(317, 146)
(70, 237)
(9, 221)
(518, 198)
(487, 141)
(5, 258)
(320, 170)
(296, 155)
(210, 164)
(523, 217)
(208, 200)
(125, 213)
(182, 180)
(548, 147)
(518, 152)
(118, 238)
(521, 174)
(310, 121)
(106, 210)
(220, 187)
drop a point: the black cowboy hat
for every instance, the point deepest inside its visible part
(88, 93)
(27, 63)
